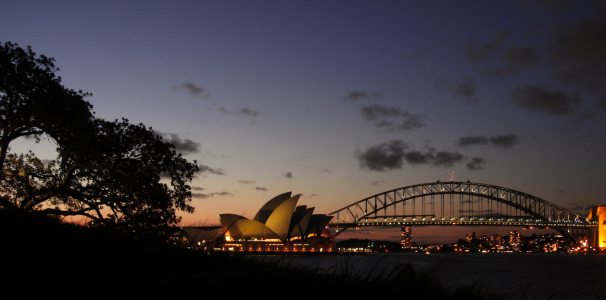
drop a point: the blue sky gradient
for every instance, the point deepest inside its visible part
(351, 98)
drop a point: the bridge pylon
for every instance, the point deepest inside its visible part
(597, 236)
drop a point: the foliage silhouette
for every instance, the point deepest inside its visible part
(115, 173)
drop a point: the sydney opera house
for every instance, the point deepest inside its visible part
(279, 226)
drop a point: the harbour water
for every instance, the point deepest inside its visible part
(512, 275)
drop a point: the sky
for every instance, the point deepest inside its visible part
(342, 100)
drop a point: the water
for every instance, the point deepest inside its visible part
(515, 276)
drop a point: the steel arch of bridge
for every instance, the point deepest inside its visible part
(464, 203)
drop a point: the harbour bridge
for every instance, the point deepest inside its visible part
(460, 203)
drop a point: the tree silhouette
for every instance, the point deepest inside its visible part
(115, 173)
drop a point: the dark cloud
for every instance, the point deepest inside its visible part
(502, 141)
(355, 96)
(246, 181)
(578, 53)
(377, 182)
(249, 112)
(192, 89)
(182, 146)
(327, 170)
(391, 118)
(444, 158)
(200, 195)
(513, 61)
(582, 42)
(288, 175)
(207, 169)
(465, 89)
(313, 195)
(551, 102)
(476, 163)
(472, 140)
(261, 189)
(195, 188)
(244, 111)
(386, 156)
(375, 112)
(475, 52)
(205, 196)
(392, 155)
(519, 58)
(223, 194)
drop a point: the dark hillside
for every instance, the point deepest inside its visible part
(41, 255)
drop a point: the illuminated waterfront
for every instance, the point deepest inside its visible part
(536, 276)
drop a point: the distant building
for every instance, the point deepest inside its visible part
(471, 237)
(514, 237)
(406, 237)
(495, 241)
(280, 225)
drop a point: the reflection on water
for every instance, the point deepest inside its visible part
(520, 276)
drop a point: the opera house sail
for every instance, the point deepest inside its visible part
(280, 225)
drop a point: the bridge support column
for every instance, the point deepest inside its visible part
(597, 238)
(406, 237)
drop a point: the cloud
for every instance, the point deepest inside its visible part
(391, 118)
(438, 159)
(476, 163)
(207, 169)
(244, 111)
(261, 189)
(354, 96)
(466, 89)
(540, 99)
(513, 61)
(200, 195)
(472, 140)
(313, 195)
(206, 196)
(475, 52)
(288, 175)
(377, 182)
(375, 112)
(246, 181)
(182, 146)
(578, 53)
(392, 155)
(386, 156)
(195, 188)
(518, 58)
(223, 194)
(192, 89)
(583, 42)
(504, 141)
